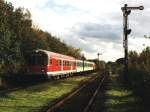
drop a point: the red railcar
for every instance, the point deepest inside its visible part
(50, 63)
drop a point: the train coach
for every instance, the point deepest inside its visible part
(50, 64)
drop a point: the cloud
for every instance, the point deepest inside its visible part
(92, 25)
(104, 32)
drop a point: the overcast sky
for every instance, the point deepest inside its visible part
(91, 25)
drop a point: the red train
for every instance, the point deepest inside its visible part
(50, 64)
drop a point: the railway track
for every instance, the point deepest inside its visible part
(91, 101)
(90, 88)
(18, 87)
(3, 92)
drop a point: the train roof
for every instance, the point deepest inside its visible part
(53, 54)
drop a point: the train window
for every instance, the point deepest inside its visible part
(39, 58)
(74, 63)
(63, 63)
(89, 65)
(51, 62)
(59, 62)
(56, 62)
(79, 64)
(69, 63)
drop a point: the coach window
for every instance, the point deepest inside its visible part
(59, 62)
(78, 63)
(66, 63)
(74, 64)
(50, 61)
(69, 63)
(42, 58)
(63, 63)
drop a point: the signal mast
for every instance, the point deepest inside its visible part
(126, 31)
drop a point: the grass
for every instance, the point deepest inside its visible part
(33, 98)
(120, 99)
(116, 98)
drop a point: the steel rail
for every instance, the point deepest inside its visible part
(61, 102)
(87, 108)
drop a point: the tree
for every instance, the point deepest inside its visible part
(18, 37)
(9, 47)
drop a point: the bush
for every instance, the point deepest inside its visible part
(135, 80)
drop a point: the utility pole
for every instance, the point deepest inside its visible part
(83, 58)
(126, 31)
(98, 54)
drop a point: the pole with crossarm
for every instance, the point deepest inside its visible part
(126, 31)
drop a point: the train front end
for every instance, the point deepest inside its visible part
(37, 64)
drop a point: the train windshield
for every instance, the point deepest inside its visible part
(38, 59)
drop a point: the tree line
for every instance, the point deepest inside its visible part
(19, 36)
(138, 75)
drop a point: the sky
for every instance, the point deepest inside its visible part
(94, 26)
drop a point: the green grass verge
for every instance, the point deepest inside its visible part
(33, 98)
(120, 99)
(116, 98)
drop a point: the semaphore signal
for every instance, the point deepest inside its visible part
(126, 31)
